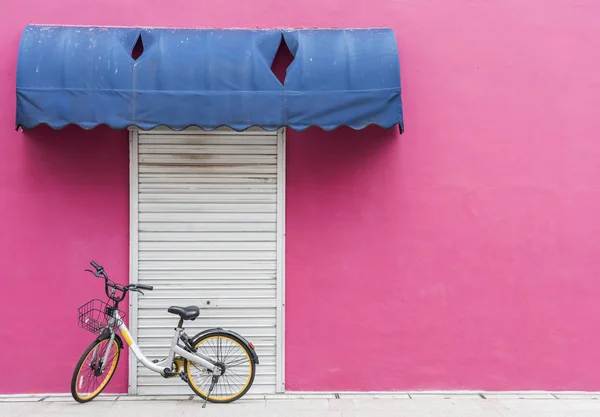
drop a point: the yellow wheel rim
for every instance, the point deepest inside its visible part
(87, 385)
(238, 368)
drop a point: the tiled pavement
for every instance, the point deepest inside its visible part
(316, 405)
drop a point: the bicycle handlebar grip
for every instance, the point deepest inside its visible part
(144, 287)
(95, 265)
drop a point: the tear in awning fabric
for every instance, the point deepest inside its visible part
(87, 76)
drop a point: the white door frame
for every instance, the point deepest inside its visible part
(280, 339)
(134, 250)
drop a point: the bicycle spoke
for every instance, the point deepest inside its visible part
(207, 383)
(87, 370)
(237, 362)
(202, 377)
(238, 368)
(238, 377)
(87, 384)
(229, 379)
(227, 382)
(92, 382)
(233, 386)
(214, 350)
(220, 348)
(231, 349)
(238, 374)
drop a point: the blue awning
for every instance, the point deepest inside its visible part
(206, 78)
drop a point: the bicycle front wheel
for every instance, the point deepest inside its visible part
(91, 375)
(236, 365)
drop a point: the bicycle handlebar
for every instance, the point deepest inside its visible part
(116, 287)
(145, 287)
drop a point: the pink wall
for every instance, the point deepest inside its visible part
(64, 200)
(462, 255)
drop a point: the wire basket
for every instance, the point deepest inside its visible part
(94, 316)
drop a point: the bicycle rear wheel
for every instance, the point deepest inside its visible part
(91, 376)
(238, 368)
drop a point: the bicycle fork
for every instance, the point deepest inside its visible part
(106, 354)
(108, 348)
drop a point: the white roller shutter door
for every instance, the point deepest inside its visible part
(207, 235)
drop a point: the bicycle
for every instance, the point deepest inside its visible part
(217, 359)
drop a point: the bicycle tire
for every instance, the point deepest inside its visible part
(77, 379)
(201, 387)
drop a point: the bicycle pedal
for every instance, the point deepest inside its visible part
(167, 373)
(184, 377)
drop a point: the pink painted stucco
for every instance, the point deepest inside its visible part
(461, 255)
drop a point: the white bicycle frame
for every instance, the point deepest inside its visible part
(158, 367)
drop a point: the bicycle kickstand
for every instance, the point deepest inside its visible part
(215, 378)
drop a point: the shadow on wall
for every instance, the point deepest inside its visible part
(344, 191)
(96, 158)
(341, 157)
(74, 158)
